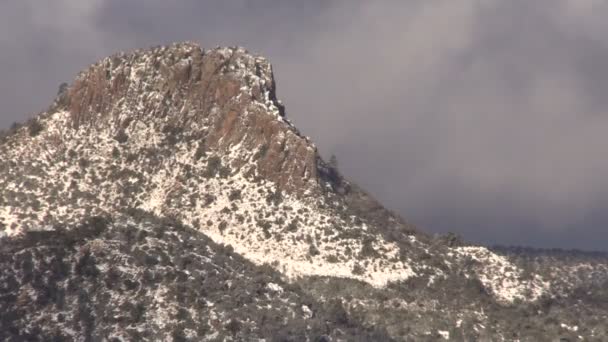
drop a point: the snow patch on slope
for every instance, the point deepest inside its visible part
(501, 277)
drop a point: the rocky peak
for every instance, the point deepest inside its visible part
(226, 97)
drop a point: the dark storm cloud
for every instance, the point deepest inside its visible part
(482, 117)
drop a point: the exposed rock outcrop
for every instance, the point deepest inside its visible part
(227, 90)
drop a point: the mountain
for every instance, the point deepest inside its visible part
(164, 195)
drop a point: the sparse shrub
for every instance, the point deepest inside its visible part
(332, 259)
(222, 227)
(34, 127)
(450, 240)
(313, 250)
(172, 134)
(224, 172)
(336, 312)
(14, 127)
(62, 89)
(150, 260)
(367, 250)
(265, 225)
(200, 151)
(323, 338)
(275, 197)
(209, 199)
(178, 334)
(126, 122)
(234, 326)
(358, 269)
(214, 164)
(131, 157)
(83, 163)
(86, 265)
(292, 226)
(72, 154)
(261, 152)
(234, 195)
(121, 136)
(91, 228)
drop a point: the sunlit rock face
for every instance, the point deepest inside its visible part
(226, 95)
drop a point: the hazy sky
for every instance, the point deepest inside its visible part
(488, 118)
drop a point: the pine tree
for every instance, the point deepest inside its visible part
(333, 162)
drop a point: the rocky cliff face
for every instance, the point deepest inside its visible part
(227, 95)
(197, 137)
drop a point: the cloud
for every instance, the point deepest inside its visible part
(43, 44)
(485, 117)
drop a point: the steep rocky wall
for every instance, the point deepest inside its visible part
(226, 94)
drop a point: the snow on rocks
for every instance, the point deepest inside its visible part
(501, 277)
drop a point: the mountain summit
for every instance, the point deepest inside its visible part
(225, 95)
(172, 174)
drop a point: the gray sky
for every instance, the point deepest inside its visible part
(487, 118)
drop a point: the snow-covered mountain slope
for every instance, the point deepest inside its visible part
(199, 137)
(124, 280)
